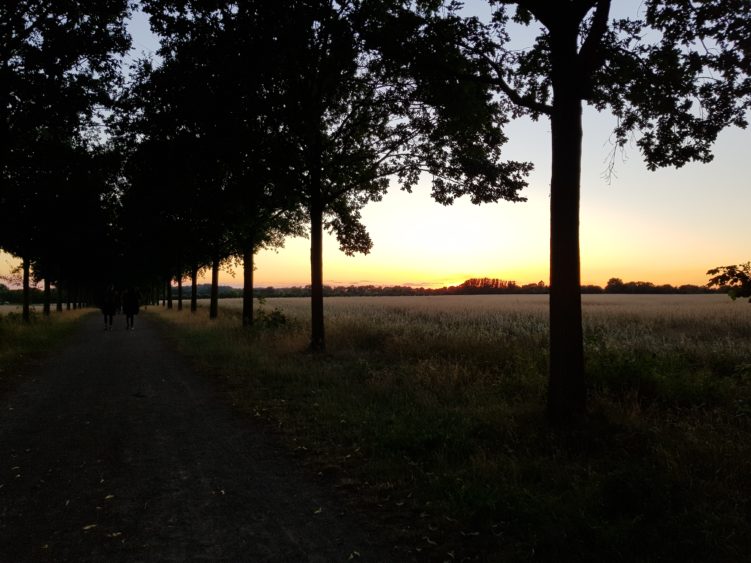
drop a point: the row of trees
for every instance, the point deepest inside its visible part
(489, 289)
(58, 66)
(204, 291)
(268, 119)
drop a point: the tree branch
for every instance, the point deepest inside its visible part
(525, 101)
(590, 56)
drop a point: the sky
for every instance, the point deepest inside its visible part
(668, 226)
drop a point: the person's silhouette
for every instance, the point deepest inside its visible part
(109, 306)
(130, 307)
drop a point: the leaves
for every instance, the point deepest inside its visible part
(736, 278)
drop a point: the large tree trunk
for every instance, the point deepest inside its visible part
(26, 311)
(194, 289)
(248, 285)
(47, 298)
(180, 293)
(214, 304)
(317, 339)
(59, 297)
(168, 289)
(567, 389)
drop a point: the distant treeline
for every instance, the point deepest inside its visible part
(15, 296)
(472, 286)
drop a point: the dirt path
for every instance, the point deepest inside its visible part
(115, 451)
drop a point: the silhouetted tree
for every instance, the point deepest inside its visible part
(233, 108)
(736, 279)
(57, 64)
(319, 120)
(173, 205)
(674, 76)
(614, 285)
(358, 123)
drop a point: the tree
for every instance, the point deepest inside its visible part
(614, 285)
(357, 124)
(674, 76)
(57, 63)
(175, 211)
(230, 113)
(736, 279)
(319, 123)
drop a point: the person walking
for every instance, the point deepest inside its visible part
(130, 307)
(109, 306)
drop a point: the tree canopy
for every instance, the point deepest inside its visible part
(674, 75)
(59, 63)
(736, 279)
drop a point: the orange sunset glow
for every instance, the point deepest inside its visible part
(666, 227)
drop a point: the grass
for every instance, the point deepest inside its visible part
(22, 344)
(431, 410)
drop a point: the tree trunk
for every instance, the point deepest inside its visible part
(194, 289)
(317, 339)
(47, 298)
(567, 389)
(248, 285)
(59, 297)
(168, 289)
(26, 310)
(214, 304)
(180, 293)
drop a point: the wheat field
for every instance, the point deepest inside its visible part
(436, 403)
(654, 322)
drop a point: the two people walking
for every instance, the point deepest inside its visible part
(111, 303)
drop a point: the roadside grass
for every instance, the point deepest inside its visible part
(23, 344)
(432, 412)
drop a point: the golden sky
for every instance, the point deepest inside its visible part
(668, 226)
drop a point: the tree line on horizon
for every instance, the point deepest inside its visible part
(477, 286)
(472, 286)
(263, 120)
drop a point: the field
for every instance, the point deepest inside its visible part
(5, 309)
(430, 410)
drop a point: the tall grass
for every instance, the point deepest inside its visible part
(24, 343)
(431, 408)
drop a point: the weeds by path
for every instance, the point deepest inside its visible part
(22, 344)
(435, 419)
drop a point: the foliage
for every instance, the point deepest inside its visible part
(318, 125)
(272, 320)
(58, 64)
(674, 76)
(736, 279)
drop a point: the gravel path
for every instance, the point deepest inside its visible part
(116, 451)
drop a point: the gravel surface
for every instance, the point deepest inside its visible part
(115, 451)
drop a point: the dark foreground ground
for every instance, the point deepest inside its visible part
(115, 451)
